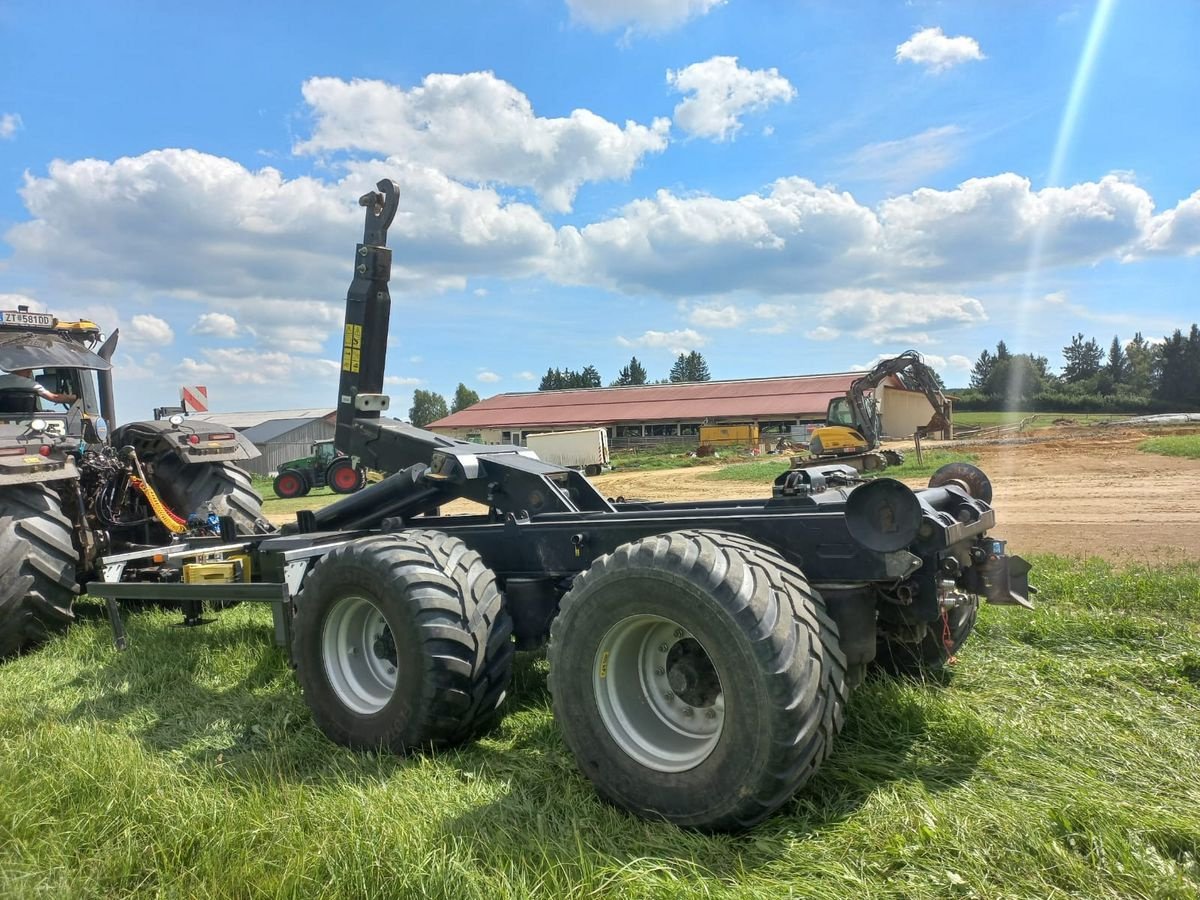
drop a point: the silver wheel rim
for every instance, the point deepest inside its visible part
(658, 693)
(360, 655)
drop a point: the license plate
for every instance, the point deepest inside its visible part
(26, 319)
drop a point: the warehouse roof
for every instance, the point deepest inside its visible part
(268, 431)
(240, 420)
(754, 398)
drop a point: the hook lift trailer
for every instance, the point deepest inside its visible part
(701, 653)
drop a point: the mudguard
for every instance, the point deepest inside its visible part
(22, 460)
(192, 441)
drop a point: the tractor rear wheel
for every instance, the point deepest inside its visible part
(343, 477)
(696, 678)
(218, 487)
(935, 647)
(289, 484)
(38, 563)
(402, 641)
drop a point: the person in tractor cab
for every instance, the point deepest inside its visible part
(19, 392)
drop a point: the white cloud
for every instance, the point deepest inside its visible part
(875, 315)
(721, 92)
(1177, 231)
(487, 377)
(716, 316)
(823, 333)
(955, 362)
(478, 128)
(12, 301)
(10, 124)
(416, 360)
(399, 380)
(525, 376)
(931, 48)
(216, 324)
(800, 234)
(683, 340)
(201, 227)
(239, 366)
(701, 246)
(649, 16)
(985, 226)
(147, 329)
(906, 160)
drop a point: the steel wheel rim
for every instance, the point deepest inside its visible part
(359, 654)
(658, 693)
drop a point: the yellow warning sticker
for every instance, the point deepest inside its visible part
(351, 348)
(604, 664)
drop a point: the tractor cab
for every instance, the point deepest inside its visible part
(52, 389)
(324, 451)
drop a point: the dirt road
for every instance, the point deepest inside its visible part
(1089, 494)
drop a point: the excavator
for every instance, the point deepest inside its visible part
(851, 431)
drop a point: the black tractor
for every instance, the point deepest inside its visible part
(71, 492)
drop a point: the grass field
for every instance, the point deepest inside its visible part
(1185, 445)
(766, 470)
(1058, 758)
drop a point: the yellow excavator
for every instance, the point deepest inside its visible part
(851, 431)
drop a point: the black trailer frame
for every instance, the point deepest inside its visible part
(873, 561)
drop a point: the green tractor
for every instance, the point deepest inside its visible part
(323, 466)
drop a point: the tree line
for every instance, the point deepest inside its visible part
(1137, 376)
(429, 406)
(687, 367)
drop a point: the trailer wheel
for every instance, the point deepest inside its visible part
(37, 567)
(696, 678)
(289, 484)
(939, 642)
(343, 476)
(402, 641)
(220, 486)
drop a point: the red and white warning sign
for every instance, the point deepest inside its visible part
(194, 398)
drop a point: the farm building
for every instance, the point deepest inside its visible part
(279, 434)
(673, 413)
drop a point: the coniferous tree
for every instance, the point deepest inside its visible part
(983, 369)
(1083, 359)
(1118, 363)
(1139, 354)
(634, 373)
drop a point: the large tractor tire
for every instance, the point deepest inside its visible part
(290, 483)
(934, 648)
(38, 563)
(697, 678)
(221, 487)
(343, 477)
(402, 641)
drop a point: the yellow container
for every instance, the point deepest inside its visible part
(729, 435)
(212, 573)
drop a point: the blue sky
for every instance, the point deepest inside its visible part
(786, 187)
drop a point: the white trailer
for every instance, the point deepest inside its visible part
(584, 448)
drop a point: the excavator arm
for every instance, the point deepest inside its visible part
(912, 371)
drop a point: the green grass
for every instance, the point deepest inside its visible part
(274, 505)
(1059, 758)
(1185, 445)
(764, 471)
(662, 458)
